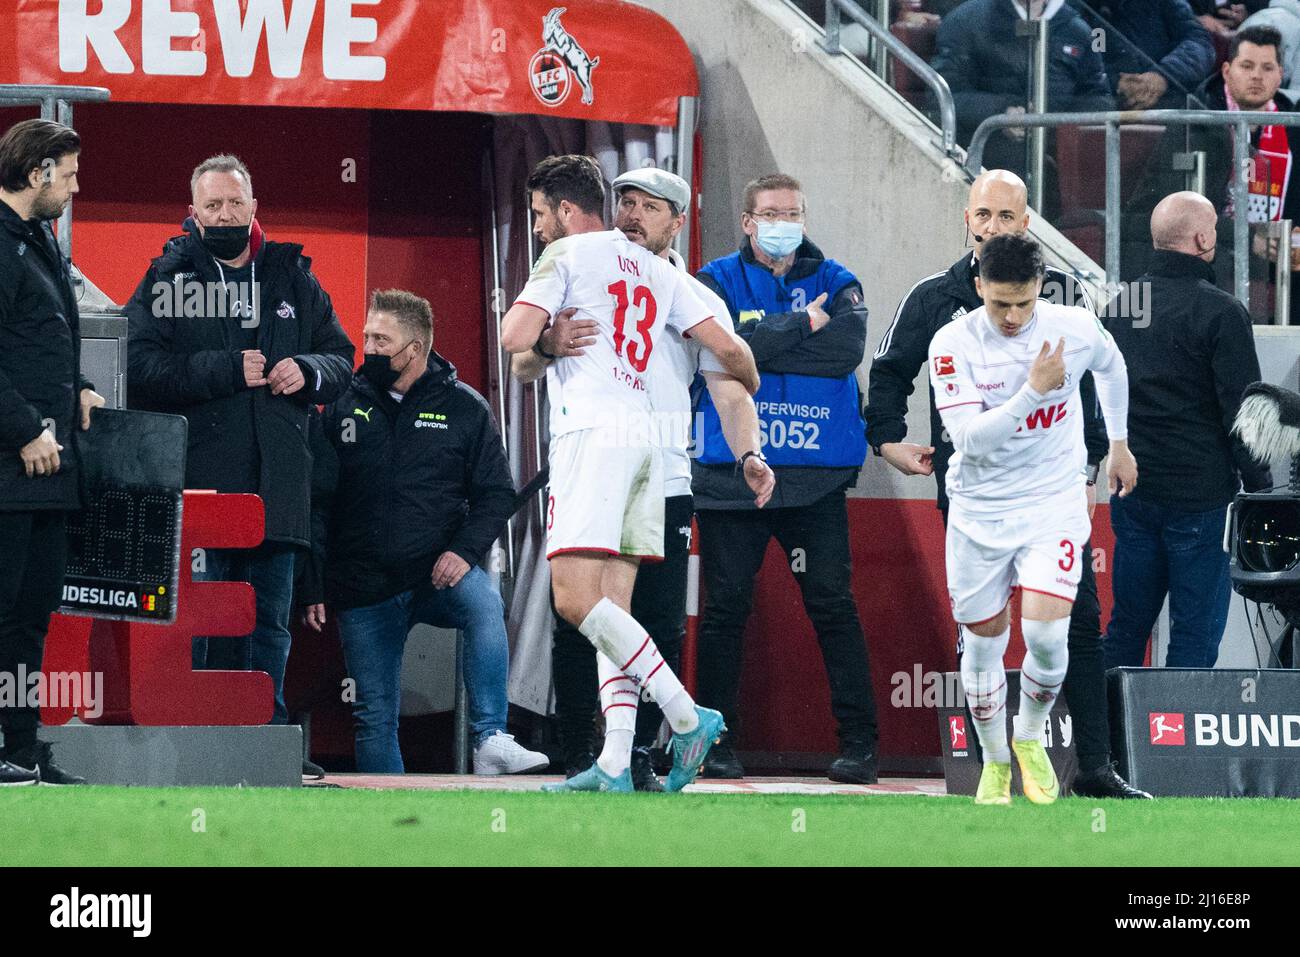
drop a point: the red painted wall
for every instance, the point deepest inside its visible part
(902, 600)
(411, 219)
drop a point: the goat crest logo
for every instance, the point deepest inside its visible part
(559, 64)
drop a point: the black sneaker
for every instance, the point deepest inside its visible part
(12, 776)
(722, 762)
(855, 765)
(1105, 782)
(38, 759)
(310, 769)
(643, 774)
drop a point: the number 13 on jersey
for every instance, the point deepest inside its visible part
(638, 353)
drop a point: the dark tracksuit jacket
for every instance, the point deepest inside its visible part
(399, 483)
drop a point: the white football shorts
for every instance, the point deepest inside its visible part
(604, 498)
(1039, 548)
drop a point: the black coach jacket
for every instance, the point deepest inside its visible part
(192, 366)
(40, 364)
(1188, 365)
(399, 483)
(903, 352)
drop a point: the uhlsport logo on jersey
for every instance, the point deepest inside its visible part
(1167, 728)
(559, 64)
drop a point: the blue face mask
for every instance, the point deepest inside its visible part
(779, 239)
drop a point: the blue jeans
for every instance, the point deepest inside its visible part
(1161, 550)
(374, 638)
(269, 569)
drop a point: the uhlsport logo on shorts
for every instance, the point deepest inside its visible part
(559, 64)
(1167, 728)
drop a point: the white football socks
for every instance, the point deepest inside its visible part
(985, 681)
(617, 635)
(618, 703)
(1046, 657)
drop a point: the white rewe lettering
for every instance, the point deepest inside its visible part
(161, 25)
(80, 30)
(239, 24)
(286, 38)
(342, 30)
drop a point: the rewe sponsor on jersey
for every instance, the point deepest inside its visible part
(242, 27)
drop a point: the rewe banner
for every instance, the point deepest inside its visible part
(588, 59)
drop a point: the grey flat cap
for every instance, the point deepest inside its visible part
(657, 182)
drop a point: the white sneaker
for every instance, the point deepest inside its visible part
(502, 754)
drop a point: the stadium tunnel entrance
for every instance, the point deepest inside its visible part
(392, 141)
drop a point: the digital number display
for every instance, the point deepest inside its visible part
(124, 554)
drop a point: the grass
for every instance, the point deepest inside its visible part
(160, 826)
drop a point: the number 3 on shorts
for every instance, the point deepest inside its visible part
(550, 512)
(1067, 562)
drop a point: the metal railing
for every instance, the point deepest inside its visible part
(1241, 122)
(886, 44)
(56, 104)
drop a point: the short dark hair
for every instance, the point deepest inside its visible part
(1010, 258)
(771, 181)
(413, 313)
(28, 145)
(574, 178)
(1261, 36)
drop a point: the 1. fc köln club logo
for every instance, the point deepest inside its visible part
(559, 64)
(1167, 728)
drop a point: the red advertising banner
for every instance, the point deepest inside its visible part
(588, 59)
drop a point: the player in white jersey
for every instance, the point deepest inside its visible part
(650, 209)
(605, 510)
(1006, 383)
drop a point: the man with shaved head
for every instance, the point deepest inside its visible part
(997, 205)
(1189, 359)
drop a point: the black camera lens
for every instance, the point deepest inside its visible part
(1268, 536)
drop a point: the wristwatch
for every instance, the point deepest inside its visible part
(740, 462)
(1091, 472)
(537, 347)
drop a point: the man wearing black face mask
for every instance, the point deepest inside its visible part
(234, 332)
(412, 490)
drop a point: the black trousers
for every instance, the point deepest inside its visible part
(815, 539)
(33, 558)
(659, 604)
(1085, 675)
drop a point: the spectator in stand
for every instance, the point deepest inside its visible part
(1156, 53)
(1224, 16)
(1249, 80)
(986, 65)
(1284, 17)
(1189, 362)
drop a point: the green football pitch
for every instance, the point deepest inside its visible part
(226, 826)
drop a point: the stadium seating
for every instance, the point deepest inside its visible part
(1080, 161)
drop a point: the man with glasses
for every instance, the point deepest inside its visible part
(804, 318)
